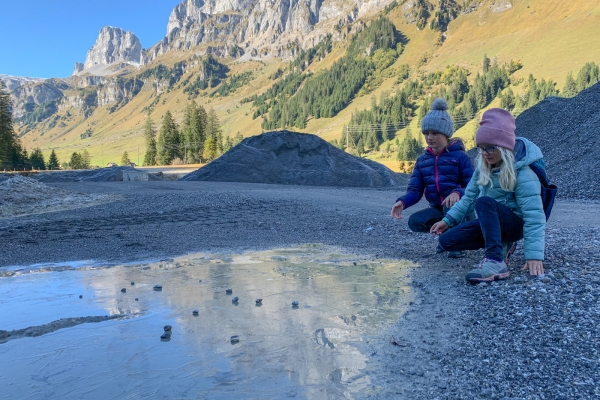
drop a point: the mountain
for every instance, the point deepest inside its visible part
(114, 45)
(255, 61)
(13, 82)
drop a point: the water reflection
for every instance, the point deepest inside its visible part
(309, 351)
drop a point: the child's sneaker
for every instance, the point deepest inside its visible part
(487, 271)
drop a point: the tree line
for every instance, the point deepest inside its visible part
(198, 139)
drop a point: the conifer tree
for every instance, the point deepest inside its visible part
(76, 162)
(570, 88)
(10, 147)
(86, 159)
(125, 159)
(167, 145)
(150, 136)
(36, 158)
(53, 162)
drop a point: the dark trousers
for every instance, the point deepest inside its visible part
(495, 224)
(423, 220)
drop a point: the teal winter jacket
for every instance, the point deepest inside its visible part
(525, 201)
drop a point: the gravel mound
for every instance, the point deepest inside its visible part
(109, 174)
(21, 195)
(566, 131)
(292, 158)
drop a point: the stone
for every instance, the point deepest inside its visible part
(165, 336)
(158, 288)
(228, 291)
(258, 302)
(167, 328)
(235, 299)
(123, 290)
(235, 339)
(81, 296)
(295, 303)
(132, 283)
(195, 313)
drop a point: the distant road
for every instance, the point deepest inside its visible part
(172, 169)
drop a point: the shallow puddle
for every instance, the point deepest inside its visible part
(310, 351)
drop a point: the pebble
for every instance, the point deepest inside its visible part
(200, 280)
(81, 296)
(235, 299)
(258, 302)
(136, 299)
(158, 287)
(228, 291)
(195, 312)
(123, 290)
(295, 303)
(546, 280)
(235, 339)
(165, 336)
(132, 283)
(167, 328)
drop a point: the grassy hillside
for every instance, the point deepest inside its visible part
(549, 38)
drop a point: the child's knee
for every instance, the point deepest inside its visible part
(484, 202)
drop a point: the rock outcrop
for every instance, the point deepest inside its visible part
(26, 97)
(13, 82)
(260, 27)
(292, 158)
(113, 45)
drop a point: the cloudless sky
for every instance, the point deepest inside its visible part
(44, 38)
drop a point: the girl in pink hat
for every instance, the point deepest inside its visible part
(505, 194)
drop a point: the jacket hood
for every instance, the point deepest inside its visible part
(526, 152)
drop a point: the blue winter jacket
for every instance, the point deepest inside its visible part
(525, 201)
(438, 176)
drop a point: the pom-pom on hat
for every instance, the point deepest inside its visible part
(497, 127)
(438, 119)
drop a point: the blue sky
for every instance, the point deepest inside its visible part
(41, 38)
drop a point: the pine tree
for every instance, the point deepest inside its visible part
(570, 88)
(53, 162)
(213, 131)
(167, 145)
(150, 136)
(125, 159)
(75, 162)
(86, 159)
(36, 158)
(10, 148)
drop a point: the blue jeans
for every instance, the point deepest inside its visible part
(423, 220)
(496, 223)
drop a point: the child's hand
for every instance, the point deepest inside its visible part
(535, 267)
(397, 210)
(451, 200)
(438, 228)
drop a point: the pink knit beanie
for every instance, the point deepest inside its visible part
(497, 127)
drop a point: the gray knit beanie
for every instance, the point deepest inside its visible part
(438, 119)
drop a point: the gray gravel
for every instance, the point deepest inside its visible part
(524, 338)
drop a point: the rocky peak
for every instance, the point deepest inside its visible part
(113, 45)
(13, 82)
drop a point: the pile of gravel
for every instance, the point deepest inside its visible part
(21, 195)
(292, 158)
(109, 174)
(567, 132)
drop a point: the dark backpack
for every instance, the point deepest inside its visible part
(549, 190)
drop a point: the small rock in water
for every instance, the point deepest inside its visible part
(165, 337)
(136, 299)
(228, 291)
(81, 296)
(132, 283)
(195, 312)
(200, 280)
(295, 303)
(258, 302)
(158, 287)
(235, 299)
(167, 328)
(235, 339)
(123, 290)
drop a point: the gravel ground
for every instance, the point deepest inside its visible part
(521, 338)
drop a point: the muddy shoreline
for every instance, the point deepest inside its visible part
(433, 340)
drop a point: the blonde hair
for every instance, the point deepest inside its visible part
(508, 175)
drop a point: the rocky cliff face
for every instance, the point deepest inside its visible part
(13, 82)
(113, 45)
(258, 27)
(25, 97)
